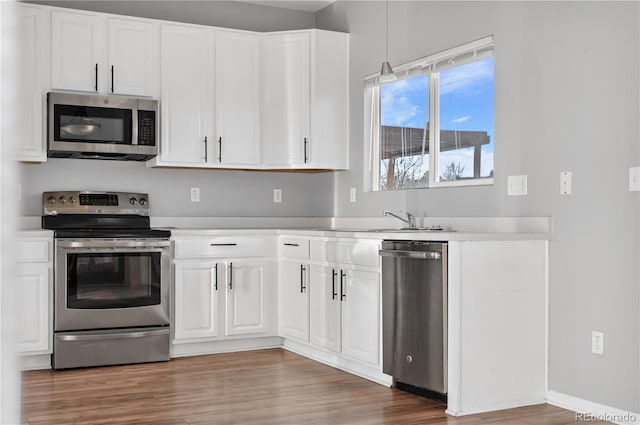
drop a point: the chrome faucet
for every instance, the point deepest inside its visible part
(410, 220)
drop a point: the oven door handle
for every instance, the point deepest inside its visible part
(118, 335)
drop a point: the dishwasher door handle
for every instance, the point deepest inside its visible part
(422, 255)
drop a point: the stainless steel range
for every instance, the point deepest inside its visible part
(111, 279)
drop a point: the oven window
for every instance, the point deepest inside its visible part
(113, 280)
(92, 125)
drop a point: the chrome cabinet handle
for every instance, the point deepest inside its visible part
(343, 290)
(216, 274)
(96, 77)
(306, 156)
(206, 155)
(230, 275)
(220, 149)
(334, 294)
(291, 244)
(223, 244)
(112, 89)
(302, 287)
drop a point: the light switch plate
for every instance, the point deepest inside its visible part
(517, 185)
(634, 179)
(565, 183)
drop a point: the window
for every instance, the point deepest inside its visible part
(433, 126)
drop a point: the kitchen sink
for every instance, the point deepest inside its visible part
(401, 230)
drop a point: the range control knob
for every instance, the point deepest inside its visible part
(133, 201)
(72, 200)
(143, 202)
(51, 200)
(62, 200)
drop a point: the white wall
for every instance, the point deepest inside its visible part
(566, 95)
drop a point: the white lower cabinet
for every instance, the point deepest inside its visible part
(216, 298)
(345, 311)
(325, 308)
(293, 300)
(361, 316)
(246, 295)
(329, 302)
(33, 308)
(197, 304)
(33, 305)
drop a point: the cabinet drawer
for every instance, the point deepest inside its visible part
(31, 251)
(294, 248)
(357, 253)
(219, 247)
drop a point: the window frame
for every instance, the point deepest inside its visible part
(430, 65)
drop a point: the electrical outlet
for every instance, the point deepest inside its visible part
(352, 194)
(195, 194)
(277, 196)
(634, 179)
(565, 183)
(597, 343)
(517, 185)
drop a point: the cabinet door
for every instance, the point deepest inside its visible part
(293, 302)
(78, 46)
(33, 308)
(285, 100)
(132, 58)
(325, 307)
(245, 298)
(29, 67)
(361, 316)
(184, 66)
(196, 300)
(237, 87)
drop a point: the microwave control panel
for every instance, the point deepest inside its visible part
(147, 128)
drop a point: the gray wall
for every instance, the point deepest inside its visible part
(227, 193)
(226, 14)
(223, 193)
(566, 94)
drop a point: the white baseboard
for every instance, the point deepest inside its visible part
(225, 346)
(592, 411)
(35, 362)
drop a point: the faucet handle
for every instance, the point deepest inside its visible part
(412, 220)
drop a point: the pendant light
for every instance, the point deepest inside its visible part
(386, 73)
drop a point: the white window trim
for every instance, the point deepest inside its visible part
(431, 65)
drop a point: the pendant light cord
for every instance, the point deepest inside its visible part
(387, 53)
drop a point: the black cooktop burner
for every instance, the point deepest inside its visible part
(112, 233)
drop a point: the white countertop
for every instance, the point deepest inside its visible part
(467, 228)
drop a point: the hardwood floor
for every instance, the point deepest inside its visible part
(255, 387)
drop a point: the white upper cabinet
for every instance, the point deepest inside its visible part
(29, 69)
(237, 87)
(77, 56)
(132, 60)
(92, 53)
(185, 95)
(286, 96)
(305, 99)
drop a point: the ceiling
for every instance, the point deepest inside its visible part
(303, 5)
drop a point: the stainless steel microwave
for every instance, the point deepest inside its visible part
(101, 127)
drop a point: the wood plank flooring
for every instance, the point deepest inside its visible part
(255, 387)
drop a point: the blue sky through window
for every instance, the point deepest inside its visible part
(466, 104)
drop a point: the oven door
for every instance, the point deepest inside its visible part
(111, 283)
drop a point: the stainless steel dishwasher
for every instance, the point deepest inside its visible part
(414, 316)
